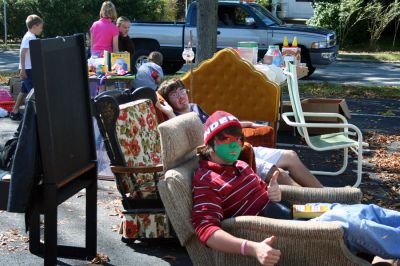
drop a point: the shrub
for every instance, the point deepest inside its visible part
(66, 17)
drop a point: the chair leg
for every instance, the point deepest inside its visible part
(35, 246)
(341, 170)
(359, 166)
(50, 225)
(91, 220)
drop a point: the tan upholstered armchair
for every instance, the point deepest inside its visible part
(226, 82)
(301, 242)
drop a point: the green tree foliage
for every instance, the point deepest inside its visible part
(265, 3)
(379, 17)
(65, 17)
(325, 15)
(17, 11)
(351, 19)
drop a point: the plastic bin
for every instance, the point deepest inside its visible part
(248, 51)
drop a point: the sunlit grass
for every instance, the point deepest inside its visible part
(349, 91)
(381, 56)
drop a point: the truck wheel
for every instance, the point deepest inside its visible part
(141, 56)
(305, 58)
(171, 68)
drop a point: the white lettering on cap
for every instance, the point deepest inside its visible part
(207, 132)
(214, 125)
(231, 118)
(223, 120)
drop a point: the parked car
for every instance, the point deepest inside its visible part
(237, 21)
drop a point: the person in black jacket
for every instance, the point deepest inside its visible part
(125, 44)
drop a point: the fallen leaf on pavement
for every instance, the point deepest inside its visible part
(169, 257)
(100, 258)
(115, 228)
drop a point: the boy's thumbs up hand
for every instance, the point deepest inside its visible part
(274, 192)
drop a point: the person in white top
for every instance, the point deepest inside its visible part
(35, 26)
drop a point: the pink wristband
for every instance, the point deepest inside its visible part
(243, 247)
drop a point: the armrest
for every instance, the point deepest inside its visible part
(318, 125)
(136, 169)
(251, 226)
(301, 195)
(312, 114)
(312, 243)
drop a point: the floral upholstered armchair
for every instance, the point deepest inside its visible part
(129, 129)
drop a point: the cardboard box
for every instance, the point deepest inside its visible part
(123, 59)
(15, 86)
(292, 54)
(310, 210)
(317, 105)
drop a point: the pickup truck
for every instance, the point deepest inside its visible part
(237, 21)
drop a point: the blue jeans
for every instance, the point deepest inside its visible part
(27, 82)
(277, 210)
(368, 228)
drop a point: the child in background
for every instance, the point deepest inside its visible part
(125, 44)
(35, 26)
(150, 74)
(104, 33)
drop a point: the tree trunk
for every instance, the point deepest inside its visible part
(206, 29)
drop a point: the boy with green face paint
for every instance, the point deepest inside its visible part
(224, 187)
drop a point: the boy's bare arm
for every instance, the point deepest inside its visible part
(262, 251)
(22, 73)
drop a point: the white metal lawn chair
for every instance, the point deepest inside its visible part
(333, 141)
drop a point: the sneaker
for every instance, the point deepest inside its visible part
(15, 116)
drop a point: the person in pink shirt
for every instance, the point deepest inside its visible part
(104, 33)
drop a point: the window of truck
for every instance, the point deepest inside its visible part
(265, 15)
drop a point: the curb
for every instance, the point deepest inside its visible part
(2, 50)
(365, 61)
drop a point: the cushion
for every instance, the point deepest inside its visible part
(260, 136)
(139, 140)
(144, 225)
(161, 117)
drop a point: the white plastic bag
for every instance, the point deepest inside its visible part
(267, 71)
(280, 76)
(3, 112)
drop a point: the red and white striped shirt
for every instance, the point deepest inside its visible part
(221, 192)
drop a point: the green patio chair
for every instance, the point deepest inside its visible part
(325, 142)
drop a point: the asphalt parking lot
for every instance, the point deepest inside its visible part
(365, 114)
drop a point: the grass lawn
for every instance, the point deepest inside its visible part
(385, 50)
(349, 91)
(325, 89)
(378, 56)
(10, 46)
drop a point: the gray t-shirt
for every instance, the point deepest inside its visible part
(147, 74)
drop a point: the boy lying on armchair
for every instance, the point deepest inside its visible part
(225, 187)
(267, 160)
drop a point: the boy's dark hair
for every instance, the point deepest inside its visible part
(156, 57)
(204, 151)
(33, 20)
(169, 86)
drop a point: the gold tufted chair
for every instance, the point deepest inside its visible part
(226, 82)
